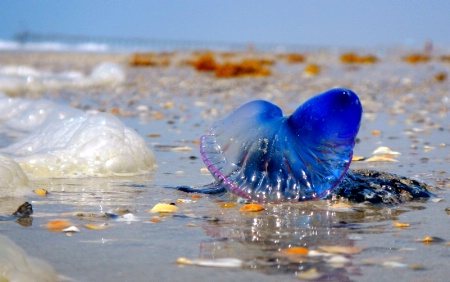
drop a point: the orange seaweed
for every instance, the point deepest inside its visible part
(445, 58)
(246, 67)
(149, 60)
(205, 62)
(441, 76)
(416, 58)
(294, 58)
(353, 58)
(312, 69)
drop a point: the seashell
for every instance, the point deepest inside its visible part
(58, 225)
(251, 208)
(358, 158)
(430, 239)
(260, 155)
(295, 251)
(96, 227)
(40, 192)
(385, 151)
(393, 264)
(228, 205)
(184, 201)
(219, 262)
(310, 274)
(165, 208)
(400, 224)
(71, 229)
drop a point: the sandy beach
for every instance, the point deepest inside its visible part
(170, 102)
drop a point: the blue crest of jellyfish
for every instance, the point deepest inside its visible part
(261, 155)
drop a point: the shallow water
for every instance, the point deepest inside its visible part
(171, 107)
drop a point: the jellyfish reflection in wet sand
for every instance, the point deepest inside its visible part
(260, 155)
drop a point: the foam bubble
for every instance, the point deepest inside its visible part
(17, 78)
(13, 181)
(16, 265)
(66, 142)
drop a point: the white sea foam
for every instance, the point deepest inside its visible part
(18, 78)
(16, 265)
(53, 46)
(13, 181)
(60, 141)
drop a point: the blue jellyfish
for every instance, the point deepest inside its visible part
(258, 154)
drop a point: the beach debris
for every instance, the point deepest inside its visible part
(294, 58)
(394, 264)
(154, 220)
(251, 208)
(185, 201)
(40, 192)
(445, 58)
(164, 208)
(228, 205)
(310, 274)
(437, 200)
(71, 229)
(219, 262)
(430, 239)
(246, 67)
(337, 261)
(401, 224)
(128, 217)
(346, 250)
(383, 154)
(25, 210)
(416, 58)
(149, 60)
(375, 132)
(205, 62)
(312, 69)
(295, 251)
(447, 210)
(440, 76)
(58, 225)
(385, 151)
(96, 226)
(353, 58)
(196, 197)
(357, 158)
(417, 266)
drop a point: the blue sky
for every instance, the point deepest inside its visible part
(348, 23)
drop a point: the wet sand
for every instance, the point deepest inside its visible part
(406, 108)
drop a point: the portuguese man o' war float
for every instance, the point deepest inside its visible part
(260, 155)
